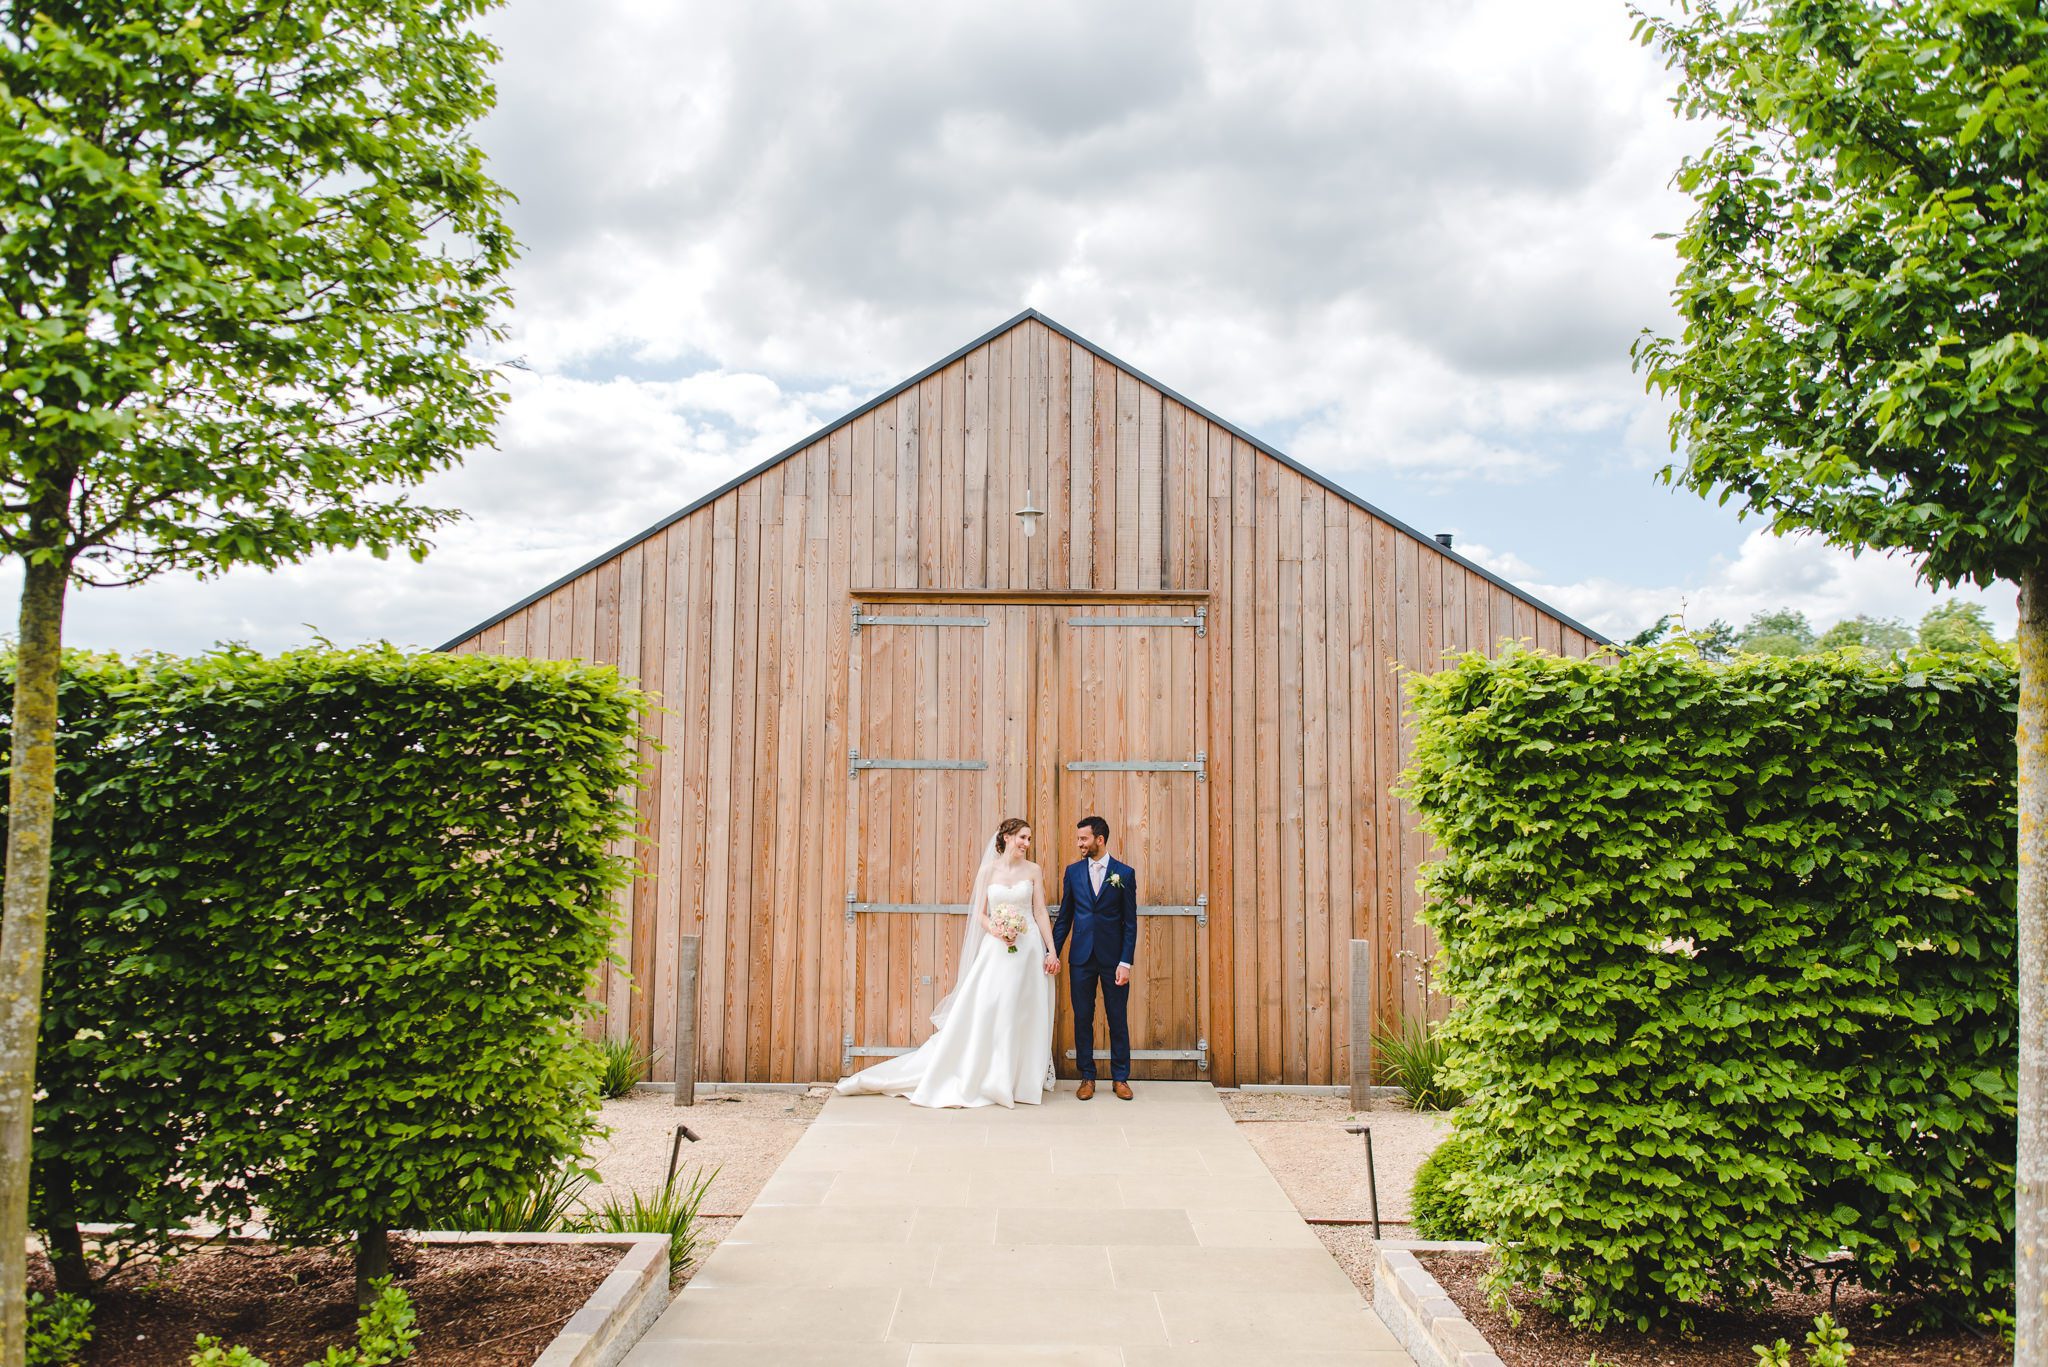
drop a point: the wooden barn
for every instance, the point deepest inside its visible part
(871, 650)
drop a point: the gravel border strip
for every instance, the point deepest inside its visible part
(1426, 1321)
(624, 1306)
(705, 1089)
(1377, 1091)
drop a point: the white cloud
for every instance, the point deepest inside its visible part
(1411, 242)
(1506, 564)
(1430, 227)
(1801, 571)
(580, 466)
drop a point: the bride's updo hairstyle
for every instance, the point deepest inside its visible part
(1008, 829)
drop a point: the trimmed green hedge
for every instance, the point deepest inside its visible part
(1438, 1205)
(1732, 951)
(321, 932)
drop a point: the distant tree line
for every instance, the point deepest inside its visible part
(1954, 625)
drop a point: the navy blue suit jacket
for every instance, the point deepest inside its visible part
(1105, 928)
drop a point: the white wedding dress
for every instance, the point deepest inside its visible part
(995, 1046)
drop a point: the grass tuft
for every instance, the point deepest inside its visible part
(621, 1064)
(671, 1211)
(542, 1208)
(1413, 1058)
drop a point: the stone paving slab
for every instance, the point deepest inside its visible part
(1072, 1234)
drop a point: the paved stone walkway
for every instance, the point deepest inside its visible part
(1103, 1233)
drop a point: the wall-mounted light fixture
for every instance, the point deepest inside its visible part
(1029, 515)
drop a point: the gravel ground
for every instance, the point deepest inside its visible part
(1322, 1168)
(744, 1135)
(1284, 1106)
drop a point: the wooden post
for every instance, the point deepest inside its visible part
(686, 1019)
(1361, 1024)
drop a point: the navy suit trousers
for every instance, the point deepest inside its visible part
(1081, 983)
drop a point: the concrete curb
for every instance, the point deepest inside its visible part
(1426, 1321)
(625, 1305)
(622, 1308)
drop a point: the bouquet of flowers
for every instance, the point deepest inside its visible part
(1008, 924)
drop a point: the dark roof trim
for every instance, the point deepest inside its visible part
(934, 368)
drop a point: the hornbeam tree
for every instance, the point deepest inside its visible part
(246, 253)
(1862, 287)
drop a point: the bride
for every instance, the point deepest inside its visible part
(994, 1040)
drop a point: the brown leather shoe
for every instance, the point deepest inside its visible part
(1122, 1090)
(1085, 1090)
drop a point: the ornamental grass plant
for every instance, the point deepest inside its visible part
(622, 1065)
(671, 1211)
(546, 1205)
(1416, 1058)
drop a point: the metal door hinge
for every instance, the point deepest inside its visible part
(1196, 622)
(886, 620)
(1197, 766)
(854, 763)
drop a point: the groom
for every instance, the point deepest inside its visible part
(1099, 904)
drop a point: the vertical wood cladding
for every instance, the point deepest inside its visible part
(739, 615)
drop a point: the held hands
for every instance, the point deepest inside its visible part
(1123, 975)
(1052, 963)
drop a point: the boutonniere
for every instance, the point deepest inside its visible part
(1116, 880)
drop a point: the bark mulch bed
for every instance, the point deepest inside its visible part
(489, 1305)
(1725, 1337)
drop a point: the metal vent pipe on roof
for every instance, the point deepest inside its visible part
(1443, 539)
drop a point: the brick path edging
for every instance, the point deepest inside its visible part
(1426, 1321)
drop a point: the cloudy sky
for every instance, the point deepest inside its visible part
(1408, 244)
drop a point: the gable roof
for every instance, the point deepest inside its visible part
(1029, 315)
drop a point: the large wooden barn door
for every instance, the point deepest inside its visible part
(943, 699)
(965, 714)
(1132, 718)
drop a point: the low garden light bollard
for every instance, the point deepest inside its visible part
(675, 1149)
(1372, 1181)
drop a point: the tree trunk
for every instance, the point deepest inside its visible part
(66, 1247)
(373, 1260)
(2031, 1289)
(61, 1239)
(31, 815)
